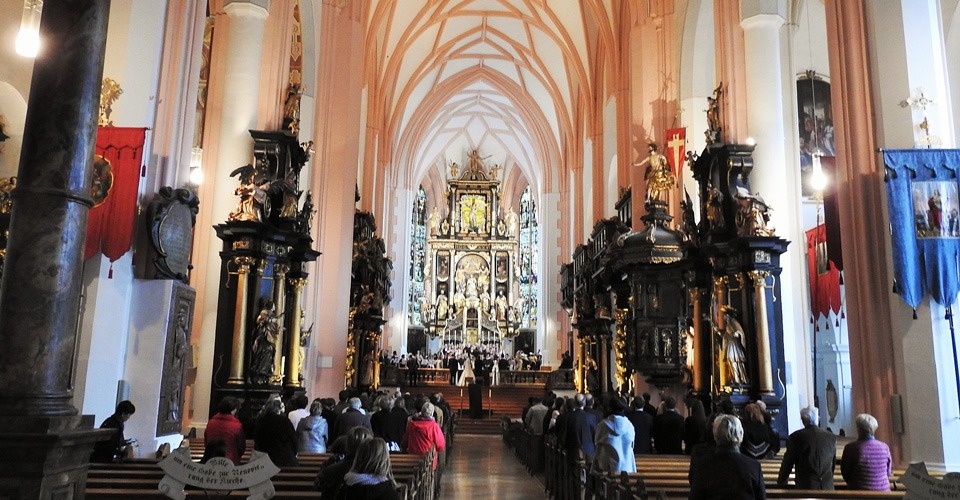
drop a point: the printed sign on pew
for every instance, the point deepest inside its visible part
(217, 474)
(922, 486)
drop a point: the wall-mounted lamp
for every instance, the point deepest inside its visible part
(196, 164)
(28, 39)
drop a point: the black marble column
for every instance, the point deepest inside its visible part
(39, 294)
(45, 444)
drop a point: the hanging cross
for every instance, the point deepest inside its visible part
(922, 103)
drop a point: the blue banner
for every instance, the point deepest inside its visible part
(922, 200)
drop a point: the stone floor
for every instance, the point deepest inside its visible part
(483, 467)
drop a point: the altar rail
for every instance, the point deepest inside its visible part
(551, 380)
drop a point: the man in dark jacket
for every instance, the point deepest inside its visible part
(721, 472)
(813, 452)
(580, 426)
(668, 429)
(390, 423)
(642, 425)
(352, 417)
(108, 451)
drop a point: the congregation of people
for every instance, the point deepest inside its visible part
(359, 431)
(724, 447)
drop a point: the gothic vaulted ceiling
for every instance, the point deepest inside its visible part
(513, 78)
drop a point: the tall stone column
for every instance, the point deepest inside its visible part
(46, 445)
(730, 69)
(777, 179)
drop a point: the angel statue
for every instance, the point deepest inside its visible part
(254, 196)
(733, 355)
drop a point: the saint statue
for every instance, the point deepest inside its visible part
(291, 109)
(367, 369)
(264, 350)
(454, 168)
(442, 307)
(734, 358)
(511, 220)
(659, 177)
(474, 162)
(433, 222)
(501, 307)
(753, 216)
(715, 219)
(713, 116)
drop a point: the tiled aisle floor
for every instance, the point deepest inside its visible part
(483, 467)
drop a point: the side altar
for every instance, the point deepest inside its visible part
(690, 308)
(261, 335)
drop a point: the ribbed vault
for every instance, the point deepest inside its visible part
(510, 78)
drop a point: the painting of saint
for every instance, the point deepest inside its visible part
(935, 209)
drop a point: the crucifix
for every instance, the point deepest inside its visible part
(922, 103)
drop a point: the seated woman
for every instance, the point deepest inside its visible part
(866, 462)
(313, 430)
(370, 477)
(723, 473)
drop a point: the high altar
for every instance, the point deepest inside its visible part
(473, 267)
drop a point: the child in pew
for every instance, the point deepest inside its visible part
(370, 477)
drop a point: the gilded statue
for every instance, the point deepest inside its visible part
(753, 216)
(254, 196)
(264, 350)
(659, 177)
(732, 351)
(494, 172)
(474, 162)
(454, 169)
(466, 212)
(291, 109)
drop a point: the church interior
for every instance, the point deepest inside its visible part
(714, 200)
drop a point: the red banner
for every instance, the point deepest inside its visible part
(115, 185)
(824, 276)
(676, 148)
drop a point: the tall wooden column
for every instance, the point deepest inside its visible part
(46, 445)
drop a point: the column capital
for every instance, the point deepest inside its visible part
(761, 21)
(256, 9)
(772, 9)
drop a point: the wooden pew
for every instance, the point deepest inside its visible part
(414, 474)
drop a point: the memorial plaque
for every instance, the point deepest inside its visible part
(170, 220)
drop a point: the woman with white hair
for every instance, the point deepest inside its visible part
(866, 462)
(723, 473)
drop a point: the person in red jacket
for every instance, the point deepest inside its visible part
(225, 427)
(423, 433)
